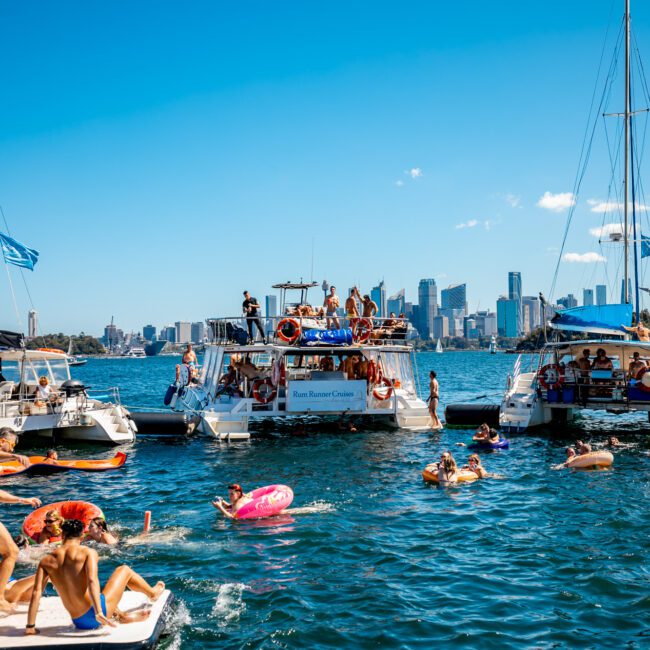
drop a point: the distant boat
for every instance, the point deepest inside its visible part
(493, 345)
(154, 348)
(439, 347)
(72, 360)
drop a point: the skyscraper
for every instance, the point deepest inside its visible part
(532, 308)
(601, 294)
(508, 314)
(428, 306)
(183, 331)
(568, 302)
(148, 332)
(514, 293)
(396, 303)
(32, 323)
(271, 306)
(454, 297)
(587, 297)
(198, 332)
(378, 295)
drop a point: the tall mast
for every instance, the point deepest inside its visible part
(626, 293)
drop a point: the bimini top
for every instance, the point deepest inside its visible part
(295, 285)
(12, 354)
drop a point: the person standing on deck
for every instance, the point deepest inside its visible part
(250, 307)
(434, 395)
(331, 304)
(352, 310)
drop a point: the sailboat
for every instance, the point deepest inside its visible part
(568, 377)
(72, 360)
(493, 345)
(439, 349)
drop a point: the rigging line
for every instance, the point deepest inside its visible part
(22, 274)
(584, 156)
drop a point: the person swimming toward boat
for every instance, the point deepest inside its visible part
(72, 569)
(237, 500)
(98, 532)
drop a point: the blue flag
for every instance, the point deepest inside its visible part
(16, 253)
(645, 246)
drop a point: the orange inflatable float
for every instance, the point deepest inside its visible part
(81, 510)
(40, 465)
(430, 473)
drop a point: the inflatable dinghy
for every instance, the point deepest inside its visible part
(57, 631)
(39, 467)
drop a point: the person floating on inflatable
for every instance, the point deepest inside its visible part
(51, 531)
(474, 465)
(237, 500)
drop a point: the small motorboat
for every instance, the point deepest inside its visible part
(41, 465)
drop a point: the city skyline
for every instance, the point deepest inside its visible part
(147, 157)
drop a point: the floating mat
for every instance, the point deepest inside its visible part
(57, 631)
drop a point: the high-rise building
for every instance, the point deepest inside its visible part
(455, 317)
(378, 295)
(149, 333)
(183, 331)
(508, 314)
(440, 327)
(601, 294)
(198, 332)
(514, 293)
(587, 297)
(532, 313)
(568, 302)
(396, 303)
(271, 306)
(111, 337)
(427, 306)
(454, 297)
(470, 328)
(32, 323)
(168, 334)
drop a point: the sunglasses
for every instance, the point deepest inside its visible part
(50, 521)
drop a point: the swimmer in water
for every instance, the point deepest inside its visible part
(237, 500)
(51, 458)
(482, 433)
(613, 441)
(474, 465)
(447, 469)
(98, 532)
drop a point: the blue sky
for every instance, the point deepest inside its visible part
(163, 157)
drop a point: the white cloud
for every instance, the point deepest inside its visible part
(414, 172)
(399, 183)
(610, 206)
(603, 232)
(468, 224)
(584, 258)
(513, 200)
(556, 202)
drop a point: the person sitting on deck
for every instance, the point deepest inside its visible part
(636, 365)
(52, 529)
(98, 532)
(326, 364)
(584, 364)
(237, 500)
(602, 361)
(72, 568)
(640, 330)
(45, 395)
(228, 383)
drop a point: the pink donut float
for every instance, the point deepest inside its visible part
(266, 502)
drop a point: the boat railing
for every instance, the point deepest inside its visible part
(291, 329)
(587, 386)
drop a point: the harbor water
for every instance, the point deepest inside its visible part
(372, 556)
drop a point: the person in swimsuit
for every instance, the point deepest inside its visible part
(237, 500)
(352, 310)
(636, 365)
(98, 532)
(331, 304)
(474, 465)
(72, 569)
(447, 469)
(52, 530)
(51, 458)
(8, 548)
(641, 332)
(602, 361)
(433, 400)
(482, 433)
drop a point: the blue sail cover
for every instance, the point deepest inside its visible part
(597, 319)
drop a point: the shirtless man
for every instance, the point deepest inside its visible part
(237, 500)
(72, 569)
(350, 366)
(331, 304)
(640, 330)
(369, 306)
(636, 365)
(352, 310)
(433, 400)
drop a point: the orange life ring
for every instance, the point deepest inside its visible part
(264, 395)
(293, 327)
(384, 381)
(640, 383)
(551, 376)
(362, 330)
(81, 510)
(55, 350)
